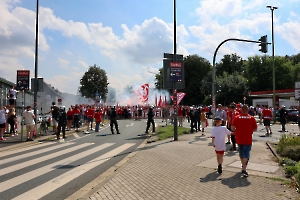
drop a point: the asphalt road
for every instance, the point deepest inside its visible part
(57, 169)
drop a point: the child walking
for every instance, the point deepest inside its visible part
(218, 134)
(203, 120)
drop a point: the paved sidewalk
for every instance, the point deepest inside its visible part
(186, 169)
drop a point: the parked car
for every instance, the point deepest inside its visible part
(292, 115)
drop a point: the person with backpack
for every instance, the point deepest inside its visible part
(113, 120)
(54, 111)
(150, 120)
(193, 114)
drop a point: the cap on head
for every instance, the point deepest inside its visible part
(283, 106)
(217, 118)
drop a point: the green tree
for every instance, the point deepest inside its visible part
(93, 81)
(159, 79)
(259, 73)
(195, 69)
(231, 87)
(230, 64)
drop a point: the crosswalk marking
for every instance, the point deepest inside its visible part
(76, 135)
(43, 170)
(7, 153)
(41, 159)
(33, 153)
(59, 181)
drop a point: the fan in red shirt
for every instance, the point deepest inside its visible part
(69, 118)
(98, 119)
(180, 115)
(267, 115)
(90, 113)
(244, 125)
(76, 113)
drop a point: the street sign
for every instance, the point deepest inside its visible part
(176, 71)
(167, 84)
(297, 84)
(22, 79)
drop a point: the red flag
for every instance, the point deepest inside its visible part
(145, 88)
(160, 104)
(180, 96)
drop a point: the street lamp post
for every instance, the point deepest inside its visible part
(272, 8)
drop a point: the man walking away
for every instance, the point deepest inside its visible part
(244, 125)
(113, 120)
(150, 120)
(62, 122)
(282, 116)
(267, 115)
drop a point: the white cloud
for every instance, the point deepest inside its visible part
(83, 64)
(63, 63)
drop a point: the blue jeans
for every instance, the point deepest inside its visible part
(244, 150)
(97, 126)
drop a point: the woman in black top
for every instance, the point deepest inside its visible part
(11, 120)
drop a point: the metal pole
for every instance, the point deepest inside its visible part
(36, 56)
(272, 8)
(273, 53)
(174, 83)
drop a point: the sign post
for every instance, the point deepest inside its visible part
(22, 79)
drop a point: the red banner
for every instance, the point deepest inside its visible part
(180, 96)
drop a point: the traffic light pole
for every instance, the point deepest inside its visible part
(214, 67)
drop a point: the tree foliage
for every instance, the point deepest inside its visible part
(235, 77)
(94, 80)
(231, 87)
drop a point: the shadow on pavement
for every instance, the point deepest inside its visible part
(236, 181)
(210, 177)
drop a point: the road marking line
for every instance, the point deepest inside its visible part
(48, 168)
(11, 151)
(50, 186)
(34, 153)
(41, 159)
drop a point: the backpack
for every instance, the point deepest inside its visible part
(55, 112)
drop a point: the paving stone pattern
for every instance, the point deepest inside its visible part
(173, 170)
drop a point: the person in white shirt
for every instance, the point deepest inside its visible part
(28, 117)
(2, 122)
(218, 135)
(12, 96)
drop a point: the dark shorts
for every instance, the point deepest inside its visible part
(267, 122)
(69, 117)
(2, 125)
(12, 102)
(244, 150)
(90, 120)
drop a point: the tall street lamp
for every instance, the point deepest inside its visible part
(272, 8)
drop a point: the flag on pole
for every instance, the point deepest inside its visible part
(160, 104)
(145, 95)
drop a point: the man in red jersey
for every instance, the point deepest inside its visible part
(267, 115)
(90, 113)
(244, 125)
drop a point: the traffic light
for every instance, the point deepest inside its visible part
(263, 44)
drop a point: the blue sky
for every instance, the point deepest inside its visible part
(128, 38)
